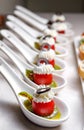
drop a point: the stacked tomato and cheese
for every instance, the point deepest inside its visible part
(52, 33)
(58, 23)
(43, 103)
(47, 56)
(42, 74)
(49, 40)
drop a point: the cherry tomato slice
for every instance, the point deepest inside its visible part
(42, 79)
(52, 62)
(42, 61)
(53, 47)
(43, 109)
(61, 32)
(45, 47)
(55, 39)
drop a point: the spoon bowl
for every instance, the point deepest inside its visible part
(18, 85)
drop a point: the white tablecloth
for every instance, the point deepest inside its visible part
(11, 116)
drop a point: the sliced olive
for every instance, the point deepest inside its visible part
(46, 37)
(42, 61)
(45, 47)
(59, 21)
(49, 22)
(43, 90)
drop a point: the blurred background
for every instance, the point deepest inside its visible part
(67, 6)
(56, 5)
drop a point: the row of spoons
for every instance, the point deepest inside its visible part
(64, 110)
(33, 20)
(40, 19)
(30, 86)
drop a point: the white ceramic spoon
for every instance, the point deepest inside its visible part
(29, 54)
(18, 86)
(31, 41)
(35, 16)
(31, 31)
(23, 66)
(37, 25)
(29, 20)
(32, 14)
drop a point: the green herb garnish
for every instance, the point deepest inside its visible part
(29, 74)
(58, 53)
(28, 105)
(39, 37)
(37, 46)
(57, 67)
(27, 95)
(57, 42)
(53, 84)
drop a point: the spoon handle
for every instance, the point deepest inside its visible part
(22, 34)
(20, 64)
(25, 50)
(16, 84)
(32, 14)
(24, 26)
(19, 31)
(30, 21)
(9, 76)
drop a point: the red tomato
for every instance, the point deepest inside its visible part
(52, 62)
(43, 109)
(55, 39)
(53, 47)
(41, 79)
(62, 31)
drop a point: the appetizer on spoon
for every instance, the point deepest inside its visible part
(31, 56)
(36, 76)
(29, 100)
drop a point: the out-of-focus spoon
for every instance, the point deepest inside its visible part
(30, 21)
(33, 32)
(32, 14)
(39, 26)
(37, 17)
(29, 54)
